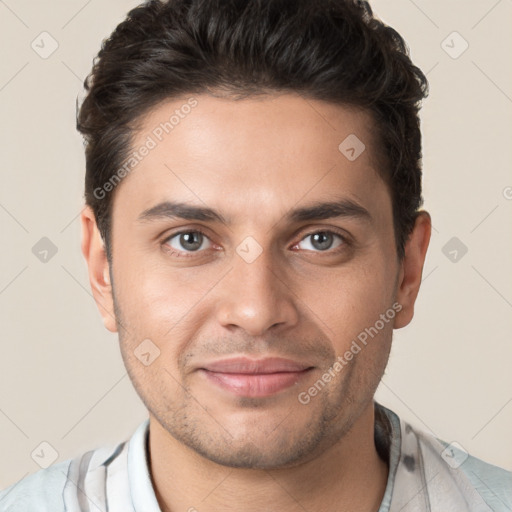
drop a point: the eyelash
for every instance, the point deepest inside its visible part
(190, 254)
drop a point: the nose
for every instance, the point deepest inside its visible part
(256, 297)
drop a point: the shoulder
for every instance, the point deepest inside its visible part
(475, 479)
(41, 491)
(57, 488)
(493, 483)
(427, 473)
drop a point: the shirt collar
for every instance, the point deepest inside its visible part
(387, 439)
(141, 488)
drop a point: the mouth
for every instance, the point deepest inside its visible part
(255, 378)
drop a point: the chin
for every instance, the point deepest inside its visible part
(251, 457)
(257, 447)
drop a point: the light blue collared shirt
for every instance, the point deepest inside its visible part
(425, 475)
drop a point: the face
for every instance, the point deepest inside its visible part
(249, 257)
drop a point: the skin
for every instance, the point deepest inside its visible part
(254, 161)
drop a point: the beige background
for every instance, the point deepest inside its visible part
(61, 376)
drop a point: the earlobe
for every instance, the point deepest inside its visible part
(411, 269)
(99, 277)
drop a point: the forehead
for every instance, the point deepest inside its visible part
(250, 157)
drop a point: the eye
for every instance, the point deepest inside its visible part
(185, 243)
(321, 241)
(188, 241)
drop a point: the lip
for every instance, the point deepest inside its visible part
(255, 366)
(255, 377)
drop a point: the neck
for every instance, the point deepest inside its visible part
(349, 475)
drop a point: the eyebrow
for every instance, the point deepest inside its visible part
(344, 208)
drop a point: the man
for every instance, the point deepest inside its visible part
(253, 234)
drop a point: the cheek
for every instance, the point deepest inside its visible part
(349, 299)
(165, 307)
(156, 299)
(157, 383)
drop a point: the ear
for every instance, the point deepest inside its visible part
(94, 252)
(411, 269)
